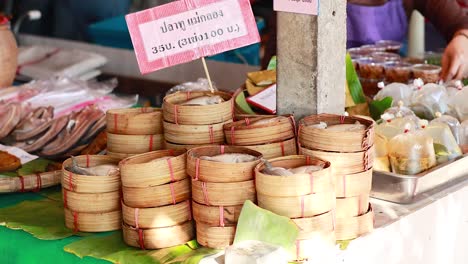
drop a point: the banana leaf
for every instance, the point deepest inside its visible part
(354, 85)
(272, 63)
(378, 107)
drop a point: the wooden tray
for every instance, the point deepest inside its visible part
(155, 196)
(278, 149)
(353, 184)
(216, 215)
(197, 115)
(225, 194)
(135, 121)
(194, 134)
(212, 171)
(157, 238)
(131, 144)
(93, 222)
(142, 171)
(353, 227)
(323, 139)
(91, 202)
(294, 185)
(352, 206)
(215, 237)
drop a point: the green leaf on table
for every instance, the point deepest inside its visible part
(378, 107)
(343, 243)
(355, 88)
(259, 224)
(272, 63)
(35, 166)
(465, 81)
(242, 103)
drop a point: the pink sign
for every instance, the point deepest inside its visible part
(309, 7)
(186, 30)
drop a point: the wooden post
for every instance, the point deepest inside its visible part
(311, 61)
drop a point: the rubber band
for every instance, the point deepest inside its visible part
(21, 179)
(342, 119)
(197, 168)
(151, 143)
(115, 123)
(307, 160)
(302, 206)
(135, 216)
(221, 216)
(247, 121)
(221, 149)
(176, 119)
(87, 161)
(205, 193)
(189, 209)
(210, 130)
(171, 152)
(282, 148)
(38, 182)
(171, 171)
(188, 95)
(75, 222)
(70, 177)
(311, 182)
(172, 193)
(232, 136)
(298, 248)
(293, 122)
(65, 198)
(141, 239)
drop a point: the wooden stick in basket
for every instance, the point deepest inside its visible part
(207, 74)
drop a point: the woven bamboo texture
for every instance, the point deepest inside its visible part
(278, 149)
(155, 196)
(353, 184)
(131, 144)
(308, 226)
(225, 194)
(213, 171)
(119, 156)
(93, 222)
(297, 184)
(216, 215)
(194, 134)
(352, 206)
(88, 183)
(135, 121)
(353, 227)
(170, 145)
(91, 202)
(156, 238)
(215, 237)
(246, 132)
(145, 171)
(324, 139)
(32, 182)
(175, 113)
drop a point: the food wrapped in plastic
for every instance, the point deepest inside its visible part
(400, 110)
(398, 91)
(201, 84)
(411, 153)
(459, 104)
(392, 126)
(381, 161)
(453, 87)
(463, 134)
(445, 146)
(428, 100)
(451, 122)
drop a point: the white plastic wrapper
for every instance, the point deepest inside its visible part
(459, 104)
(394, 126)
(451, 122)
(201, 84)
(463, 135)
(445, 146)
(398, 91)
(400, 110)
(428, 100)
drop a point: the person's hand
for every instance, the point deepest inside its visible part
(455, 58)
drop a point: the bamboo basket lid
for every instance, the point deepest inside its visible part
(176, 113)
(352, 206)
(143, 171)
(339, 141)
(278, 149)
(310, 225)
(91, 202)
(298, 206)
(87, 183)
(297, 184)
(215, 237)
(313, 246)
(246, 132)
(93, 222)
(135, 121)
(353, 184)
(119, 156)
(212, 171)
(216, 215)
(194, 134)
(225, 193)
(131, 144)
(344, 163)
(155, 196)
(353, 227)
(32, 182)
(156, 217)
(156, 238)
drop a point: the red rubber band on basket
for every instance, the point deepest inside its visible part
(298, 248)
(135, 216)
(189, 210)
(38, 182)
(75, 222)
(282, 148)
(70, 177)
(221, 149)
(171, 171)
(302, 206)
(247, 121)
(210, 130)
(172, 193)
(307, 160)
(176, 118)
(65, 198)
(188, 95)
(221, 216)
(205, 193)
(115, 123)
(87, 161)
(233, 142)
(141, 240)
(342, 119)
(21, 179)
(171, 152)
(311, 182)
(197, 168)
(293, 122)
(150, 143)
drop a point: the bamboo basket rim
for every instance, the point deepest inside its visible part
(102, 202)
(353, 227)
(224, 235)
(92, 222)
(117, 143)
(219, 218)
(210, 189)
(138, 237)
(31, 182)
(211, 134)
(324, 222)
(352, 206)
(171, 99)
(130, 115)
(136, 110)
(361, 183)
(171, 145)
(120, 156)
(284, 148)
(145, 158)
(244, 124)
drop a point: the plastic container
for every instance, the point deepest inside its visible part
(428, 73)
(387, 56)
(370, 86)
(397, 72)
(390, 45)
(372, 48)
(371, 68)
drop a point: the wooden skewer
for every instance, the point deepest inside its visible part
(207, 74)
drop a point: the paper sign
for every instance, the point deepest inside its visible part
(21, 154)
(309, 7)
(186, 30)
(265, 99)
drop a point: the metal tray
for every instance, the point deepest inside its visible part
(406, 189)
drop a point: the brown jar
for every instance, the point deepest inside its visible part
(8, 56)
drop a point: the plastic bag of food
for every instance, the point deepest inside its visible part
(463, 136)
(451, 122)
(429, 99)
(411, 153)
(201, 84)
(445, 146)
(398, 91)
(459, 104)
(400, 110)
(391, 126)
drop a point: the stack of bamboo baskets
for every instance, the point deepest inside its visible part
(273, 136)
(133, 131)
(188, 126)
(156, 200)
(218, 191)
(307, 198)
(351, 155)
(91, 203)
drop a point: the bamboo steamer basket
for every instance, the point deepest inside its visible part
(353, 227)
(344, 163)
(245, 132)
(278, 149)
(141, 171)
(353, 184)
(212, 171)
(157, 217)
(135, 121)
(155, 196)
(93, 222)
(91, 202)
(176, 113)
(194, 134)
(216, 215)
(310, 225)
(314, 246)
(130, 144)
(215, 237)
(352, 206)
(297, 184)
(120, 156)
(156, 238)
(223, 193)
(90, 183)
(298, 206)
(170, 145)
(324, 139)
(31, 182)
